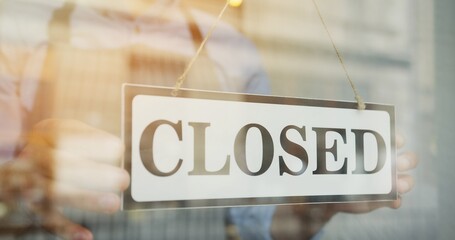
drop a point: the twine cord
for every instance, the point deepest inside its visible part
(358, 98)
(182, 78)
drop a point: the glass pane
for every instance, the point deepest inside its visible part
(63, 64)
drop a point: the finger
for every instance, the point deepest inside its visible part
(49, 194)
(64, 167)
(364, 207)
(407, 161)
(405, 183)
(59, 194)
(91, 175)
(361, 207)
(81, 139)
(396, 204)
(400, 140)
(55, 222)
(65, 195)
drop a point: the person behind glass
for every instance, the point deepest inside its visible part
(62, 65)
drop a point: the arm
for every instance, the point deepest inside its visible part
(57, 162)
(65, 163)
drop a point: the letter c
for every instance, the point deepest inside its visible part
(146, 147)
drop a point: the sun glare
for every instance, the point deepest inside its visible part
(235, 3)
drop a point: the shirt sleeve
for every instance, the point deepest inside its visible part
(258, 83)
(10, 103)
(253, 222)
(23, 32)
(10, 117)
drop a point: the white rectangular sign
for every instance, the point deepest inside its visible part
(208, 149)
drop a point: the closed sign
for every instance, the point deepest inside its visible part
(209, 149)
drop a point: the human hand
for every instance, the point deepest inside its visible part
(305, 220)
(65, 163)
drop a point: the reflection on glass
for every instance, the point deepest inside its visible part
(62, 65)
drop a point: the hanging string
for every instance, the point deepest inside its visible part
(358, 98)
(182, 78)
